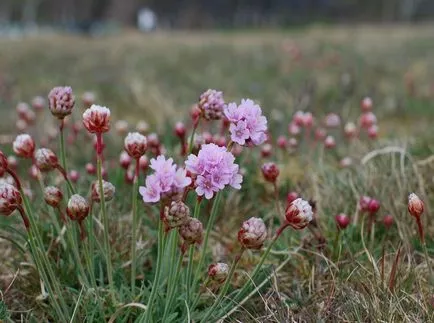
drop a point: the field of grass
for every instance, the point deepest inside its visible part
(380, 276)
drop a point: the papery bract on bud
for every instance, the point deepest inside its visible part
(213, 168)
(218, 272)
(247, 124)
(192, 231)
(415, 205)
(211, 104)
(24, 146)
(252, 233)
(342, 220)
(46, 160)
(270, 171)
(53, 196)
(96, 119)
(176, 214)
(299, 213)
(135, 144)
(108, 189)
(78, 208)
(10, 199)
(61, 101)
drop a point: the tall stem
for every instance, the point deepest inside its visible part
(134, 229)
(156, 283)
(190, 145)
(172, 288)
(105, 217)
(224, 289)
(191, 253)
(63, 169)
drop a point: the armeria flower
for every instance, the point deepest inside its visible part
(78, 208)
(415, 205)
(294, 129)
(180, 130)
(125, 160)
(332, 120)
(211, 104)
(142, 127)
(88, 99)
(166, 181)
(367, 120)
(270, 171)
(108, 189)
(388, 221)
(298, 214)
(53, 196)
(121, 127)
(342, 220)
(320, 134)
(303, 119)
(96, 119)
(330, 142)
(218, 272)
(38, 103)
(373, 131)
(191, 231)
(366, 104)
(61, 101)
(10, 199)
(135, 144)
(24, 146)
(46, 159)
(176, 214)
(282, 142)
(350, 130)
(213, 169)
(4, 165)
(253, 233)
(247, 122)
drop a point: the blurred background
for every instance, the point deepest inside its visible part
(152, 58)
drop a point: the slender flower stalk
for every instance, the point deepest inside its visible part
(134, 229)
(173, 287)
(191, 253)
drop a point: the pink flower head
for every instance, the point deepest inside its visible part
(46, 160)
(367, 120)
(53, 196)
(342, 220)
(211, 104)
(373, 131)
(10, 199)
(366, 104)
(191, 231)
(282, 142)
(332, 120)
(24, 146)
(166, 181)
(294, 129)
(320, 134)
(415, 205)
(135, 144)
(213, 168)
(96, 119)
(299, 213)
(270, 171)
(247, 124)
(350, 130)
(330, 142)
(218, 272)
(61, 101)
(253, 233)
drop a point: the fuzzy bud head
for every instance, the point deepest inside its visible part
(218, 272)
(180, 130)
(252, 233)
(176, 214)
(299, 213)
(96, 119)
(53, 196)
(211, 104)
(24, 146)
(108, 189)
(192, 231)
(388, 221)
(135, 144)
(10, 199)
(46, 160)
(366, 104)
(61, 101)
(415, 205)
(270, 171)
(342, 221)
(78, 208)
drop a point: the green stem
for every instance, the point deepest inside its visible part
(156, 283)
(64, 169)
(209, 226)
(134, 229)
(173, 288)
(191, 253)
(428, 263)
(190, 145)
(224, 289)
(106, 225)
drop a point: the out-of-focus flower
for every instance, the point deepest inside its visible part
(350, 130)
(388, 221)
(61, 101)
(135, 145)
(125, 160)
(303, 119)
(143, 127)
(12, 161)
(90, 169)
(34, 172)
(373, 131)
(143, 163)
(346, 162)
(166, 181)
(10, 199)
(53, 196)
(176, 214)
(320, 134)
(78, 208)
(282, 143)
(367, 120)
(298, 214)
(213, 169)
(180, 130)
(266, 150)
(342, 220)
(88, 99)
(25, 113)
(253, 233)
(294, 129)
(191, 231)
(292, 143)
(415, 205)
(330, 142)
(366, 104)
(270, 171)
(211, 104)
(332, 120)
(38, 103)
(218, 272)
(74, 176)
(108, 189)
(247, 122)
(24, 146)
(46, 160)
(121, 127)
(291, 196)
(96, 119)
(21, 125)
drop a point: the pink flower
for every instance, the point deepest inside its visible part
(96, 119)
(332, 120)
(61, 101)
(366, 104)
(165, 182)
(213, 168)
(247, 124)
(135, 144)
(253, 233)
(24, 146)
(299, 213)
(211, 104)
(10, 199)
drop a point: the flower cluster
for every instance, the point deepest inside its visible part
(166, 181)
(211, 104)
(247, 124)
(61, 101)
(213, 168)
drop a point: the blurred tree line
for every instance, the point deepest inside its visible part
(214, 13)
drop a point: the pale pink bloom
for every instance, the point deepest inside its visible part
(330, 142)
(121, 127)
(346, 162)
(24, 146)
(332, 120)
(350, 130)
(294, 129)
(292, 143)
(46, 159)
(373, 131)
(320, 134)
(367, 120)
(282, 142)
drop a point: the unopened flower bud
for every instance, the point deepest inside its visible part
(282, 143)
(415, 205)
(292, 143)
(10, 199)
(366, 104)
(61, 101)
(218, 272)
(74, 176)
(180, 130)
(176, 214)
(342, 220)
(298, 214)
(124, 160)
(320, 134)
(96, 119)
(350, 130)
(12, 161)
(367, 120)
(294, 129)
(142, 127)
(90, 169)
(388, 221)
(143, 163)
(53, 196)
(330, 142)
(78, 208)
(46, 160)
(211, 104)
(346, 162)
(332, 120)
(266, 150)
(192, 231)
(88, 99)
(364, 203)
(373, 206)
(292, 196)
(253, 233)
(373, 131)
(121, 127)
(34, 172)
(108, 189)
(270, 171)
(24, 146)
(21, 125)
(135, 144)
(38, 103)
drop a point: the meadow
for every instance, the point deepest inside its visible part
(369, 264)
